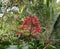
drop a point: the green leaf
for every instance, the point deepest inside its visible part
(41, 45)
(50, 47)
(24, 46)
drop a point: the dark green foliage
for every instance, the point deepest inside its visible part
(5, 43)
(56, 33)
(2, 47)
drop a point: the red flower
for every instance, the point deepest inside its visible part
(37, 29)
(25, 27)
(19, 33)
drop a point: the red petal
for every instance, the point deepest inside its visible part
(19, 33)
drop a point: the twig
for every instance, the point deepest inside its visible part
(46, 46)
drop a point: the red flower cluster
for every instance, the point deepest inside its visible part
(31, 23)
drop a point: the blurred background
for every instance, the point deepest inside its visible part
(13, 12)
